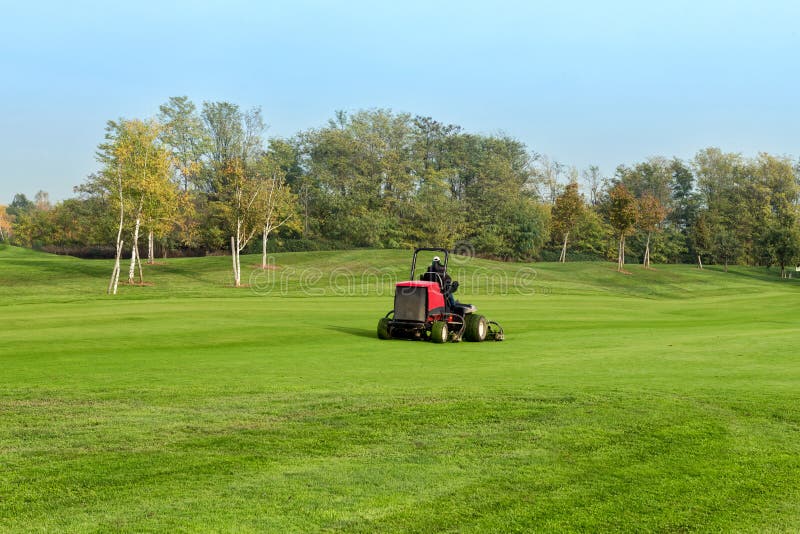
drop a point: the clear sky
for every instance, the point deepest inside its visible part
(584, 82)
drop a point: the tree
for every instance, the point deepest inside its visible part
(277, 203)
(567, 212)
(724, 245)
(651, 215)
(548, 178)
(701, 236)
(20, 205)
(136, 168)
(234, 185)
(42, 200)
(183, 132)
(784, 246)
(245, 211)
(161, 211)
(653, 177)
(232, 135)
(622, 215)
(6, 221)
(593, 181)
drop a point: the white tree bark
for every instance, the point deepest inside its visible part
(563, 257)
(139, 263)
(264, 246)
(112, 288)
(233, 259)
(150, 248)
(699, 262)
(134, 251)
(647, 252)
(112, 285)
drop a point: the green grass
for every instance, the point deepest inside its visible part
(663, 401)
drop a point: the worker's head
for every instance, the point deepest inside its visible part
(437, 259)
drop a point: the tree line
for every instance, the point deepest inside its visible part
(204, 180)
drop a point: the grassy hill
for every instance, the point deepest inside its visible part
(661, 400)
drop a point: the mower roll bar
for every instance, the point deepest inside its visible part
(424, 249)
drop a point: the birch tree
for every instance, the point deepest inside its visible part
(113, 181)
(651, 214)
(135, 167)
(278, 204)
(150, 169)
(245, 211)
(236, 145)
(567, 212)
(161, 212)
(622, 215)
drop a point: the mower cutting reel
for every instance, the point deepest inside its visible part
(422, 310)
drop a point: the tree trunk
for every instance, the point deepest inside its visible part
(112, 284)
(112, 287)
(699, 262)
(563, 258)
(264, 247)
(305, 220)
(139, 263)
(620, 254)
(150, 249)
(134, 251)
(647, 252)
(235, 257)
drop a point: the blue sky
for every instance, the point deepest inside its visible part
(584, 82)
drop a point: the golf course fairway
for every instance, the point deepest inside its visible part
(665, 400)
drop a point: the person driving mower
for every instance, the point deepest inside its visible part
(437, 273)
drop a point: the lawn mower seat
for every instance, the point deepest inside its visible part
(433, 277)
(463, 309)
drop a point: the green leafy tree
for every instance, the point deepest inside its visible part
(20, 205)
(651, 214)
(276, 203)
(136, 167)
(593, 181)
(567, 212)
(724, 245)
(182, 131)
(784, 246)
(622, 215)
(6, 222)
(42, 200)
(701, 236)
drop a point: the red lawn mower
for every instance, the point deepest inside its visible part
(425, 310)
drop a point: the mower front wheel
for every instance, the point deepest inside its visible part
(384, 331)
(477, 327)
(439, 332)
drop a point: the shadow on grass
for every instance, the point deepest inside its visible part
(360, 332)
(764, 274)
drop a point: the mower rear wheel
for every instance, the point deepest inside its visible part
(384, 332)
(477, 327)
(439, 332)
